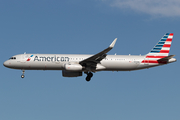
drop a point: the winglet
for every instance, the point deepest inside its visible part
(113, 43)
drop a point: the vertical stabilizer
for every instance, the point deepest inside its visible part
(162, 48)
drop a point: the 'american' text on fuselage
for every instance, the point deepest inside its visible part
(51, 59)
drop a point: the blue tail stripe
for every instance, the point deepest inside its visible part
(154, 51)
(161, 42)
(163, 39)
(159, 46)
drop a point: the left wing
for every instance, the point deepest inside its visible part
(99, 56)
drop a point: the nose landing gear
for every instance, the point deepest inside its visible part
(89, 76)
(22, 76)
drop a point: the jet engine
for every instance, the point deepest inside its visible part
(71, 73)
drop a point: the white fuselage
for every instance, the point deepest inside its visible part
(74, 65)
(57, 62)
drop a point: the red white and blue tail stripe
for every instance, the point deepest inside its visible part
(161, 50)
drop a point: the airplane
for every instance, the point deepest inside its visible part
(73, 65)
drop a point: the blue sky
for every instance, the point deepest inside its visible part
(87, 27)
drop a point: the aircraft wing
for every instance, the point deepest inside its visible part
(99, 56)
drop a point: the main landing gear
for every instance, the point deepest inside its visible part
(89, 76)
(22, 76)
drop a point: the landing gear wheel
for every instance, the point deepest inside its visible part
(89, 76)
(22, 76)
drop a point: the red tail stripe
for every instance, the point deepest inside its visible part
(166, 45)
(169, 39)
(155, 56)
(164, 51)
(153, 61)
(171, 34)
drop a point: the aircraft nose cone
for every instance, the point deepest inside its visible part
(6, 63)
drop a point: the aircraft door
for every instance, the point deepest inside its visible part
(23, 58)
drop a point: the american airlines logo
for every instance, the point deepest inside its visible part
(51, 59)
(29, 58)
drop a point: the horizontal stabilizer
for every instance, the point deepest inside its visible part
(166, 58)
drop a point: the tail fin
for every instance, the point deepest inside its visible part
(162, 48)
(159, 53)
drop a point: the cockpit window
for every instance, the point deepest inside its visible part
(12, 58)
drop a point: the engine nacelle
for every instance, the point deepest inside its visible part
(73, 67)
(71, 73)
